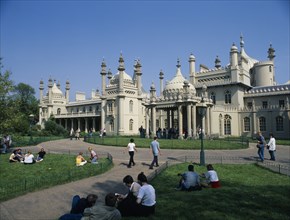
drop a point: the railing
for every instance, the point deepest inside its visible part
(275, 167)
(23, 185)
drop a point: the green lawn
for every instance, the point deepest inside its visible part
(247, 192)
(17, 178)
(219, 144)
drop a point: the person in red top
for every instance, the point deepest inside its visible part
(211, 177)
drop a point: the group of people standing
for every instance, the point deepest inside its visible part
(271, 146)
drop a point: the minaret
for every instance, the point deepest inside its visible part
(58, 85)
(161, 77)
(103, 73)
(191, 69)
(234, 57)
(138, 74)
(41, 88)
(67, 88)
(50, 90)
(121, 69)
(217, 62)
(271, 56)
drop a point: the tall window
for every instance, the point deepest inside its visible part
(249, 105)
(110, 107)
(112, 125)
(58, 111)
(265, 104)
(246, 124)
(220, 124)
(281, 103)
(131, 106)
(279, 124)
(262, 123)
(228, 97)
(212, 96)
(84, 109)
(90, 109)
(157, 123)
(227, 125)
(165, 123)
(131, 124)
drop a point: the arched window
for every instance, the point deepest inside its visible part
(212, 96)
(227, 125)
(131, 122)
(131, 106)
(246, 124)
(279, 124)
(262, 123)
(58, 111)
(228, 97)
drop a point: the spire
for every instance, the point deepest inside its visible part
(109, 74)
(121, 63)
(241, 41)
(271, 52)
(178, 63)
(103, 65)
(217, 62)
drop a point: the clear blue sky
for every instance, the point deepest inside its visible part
(67, 40)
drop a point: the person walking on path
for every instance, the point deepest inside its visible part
(272, 147)
(155, 151)
(261, 145)
(131, 149)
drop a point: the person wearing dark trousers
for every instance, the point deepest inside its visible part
(131, 149)
(154, 146)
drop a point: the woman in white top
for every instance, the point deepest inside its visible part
(29, 158)
(211, 177)
(131, 149)
(272, 147)
(146, 197)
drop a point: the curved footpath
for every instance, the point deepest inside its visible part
(49, 204)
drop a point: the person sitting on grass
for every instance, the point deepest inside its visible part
(29, 158)
(211, 177)
(78, 207)
(80, 160)
(146, 197)
(189, 180)
(94, 156)
(127, 203)
(40, 155)
(107, 211)
(19, 155)
(13, 158)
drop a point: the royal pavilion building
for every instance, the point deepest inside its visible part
(239, 99)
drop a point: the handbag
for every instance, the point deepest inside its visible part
(258, 145)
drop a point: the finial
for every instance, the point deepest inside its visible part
(178, 63)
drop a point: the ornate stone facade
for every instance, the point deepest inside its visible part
(240, 99)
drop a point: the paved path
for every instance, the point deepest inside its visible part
(51, 203)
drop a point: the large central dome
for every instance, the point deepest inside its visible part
(175, 86)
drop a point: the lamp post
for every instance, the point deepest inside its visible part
(202, 112)
(31, 118)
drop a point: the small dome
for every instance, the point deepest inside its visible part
(177, 83)
(234, 47)
(191, 58)
(56, 90)
(125, 75)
